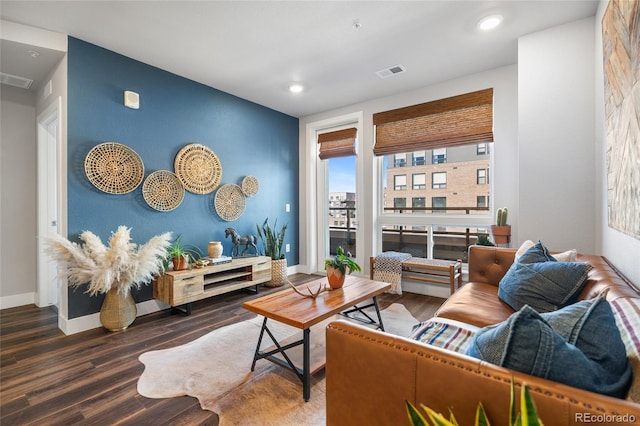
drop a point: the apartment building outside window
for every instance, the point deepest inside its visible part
(419, 181)
(482, 201)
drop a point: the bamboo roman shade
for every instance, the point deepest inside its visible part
(341, 143)
(455, 121)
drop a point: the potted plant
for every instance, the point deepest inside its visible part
(181, 255)
(501, 231)
(483, 240)
(338, 267)
(273, 240)
(111, 270)
(528, 413)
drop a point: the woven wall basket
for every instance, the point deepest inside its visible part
(114, 168)
(162, 191)
(250, 186)
(198, 168)
(229, 202)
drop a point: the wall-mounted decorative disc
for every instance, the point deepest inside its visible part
(114, 168)
(250, 186)
(229, 202)
(198, 168)
(162, 190)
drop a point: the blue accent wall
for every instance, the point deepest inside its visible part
(249, 139)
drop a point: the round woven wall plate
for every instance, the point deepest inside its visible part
(250, 186)
(198, 168)
(114, 168)
(229, 202)
(162, 191)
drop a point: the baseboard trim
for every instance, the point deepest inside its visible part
(89, 322)
(17, 300)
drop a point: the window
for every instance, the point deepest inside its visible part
(400, 182)
(439, 156)
(399, 203)
(438, 204)
(481, 176)
(439, 180)
(453, 136)
(418, 204)
(400, 160)
(419, 158)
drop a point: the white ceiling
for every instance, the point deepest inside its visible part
(255, 49)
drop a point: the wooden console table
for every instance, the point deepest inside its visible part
(177, 288)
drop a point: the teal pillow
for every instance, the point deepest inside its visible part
(528, 343)
(538, 280)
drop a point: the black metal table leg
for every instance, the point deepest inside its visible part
(306, 364)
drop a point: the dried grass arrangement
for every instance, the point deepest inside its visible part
(122, 264)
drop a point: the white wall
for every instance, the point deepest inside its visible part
(504, 82)
(18, 220)
(18, 195)
(622, 250)
(556, 137)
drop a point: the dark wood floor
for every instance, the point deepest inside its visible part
(89, 378)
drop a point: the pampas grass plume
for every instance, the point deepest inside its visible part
(120, 265)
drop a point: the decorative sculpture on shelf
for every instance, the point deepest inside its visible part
(246, 241)
(321, 289)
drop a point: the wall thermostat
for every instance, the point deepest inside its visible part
(131, 99)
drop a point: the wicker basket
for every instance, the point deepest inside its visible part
(278, 273)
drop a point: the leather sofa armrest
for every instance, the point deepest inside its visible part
(370, 374)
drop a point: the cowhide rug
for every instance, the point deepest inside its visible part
(216, 369)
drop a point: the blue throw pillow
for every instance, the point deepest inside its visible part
(538, 280)
(527, 343)
(537, 253)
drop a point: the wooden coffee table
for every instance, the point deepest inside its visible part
(290, 308)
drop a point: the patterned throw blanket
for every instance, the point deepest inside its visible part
(445, 333)
(387, 267)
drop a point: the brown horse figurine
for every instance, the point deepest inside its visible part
(246, 241)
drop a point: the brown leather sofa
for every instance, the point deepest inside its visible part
(370, 374)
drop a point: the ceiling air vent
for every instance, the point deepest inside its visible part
(388, 72)
(14, 80)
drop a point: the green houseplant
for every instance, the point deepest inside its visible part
(339, 266)
(273, 241)
(181, 255)
(528, 415)
(483, 240)
(113, 269)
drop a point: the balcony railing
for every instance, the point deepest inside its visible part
(432, 242)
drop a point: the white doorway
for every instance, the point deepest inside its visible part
(319, 174)
(49, 139)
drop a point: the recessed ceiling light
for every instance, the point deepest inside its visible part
(489, 22)
(296, 88)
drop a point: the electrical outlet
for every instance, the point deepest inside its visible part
(287, 207)
(287, 248)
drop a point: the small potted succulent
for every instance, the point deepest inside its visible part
(339, 266)
(501, 231)
(181, 255)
